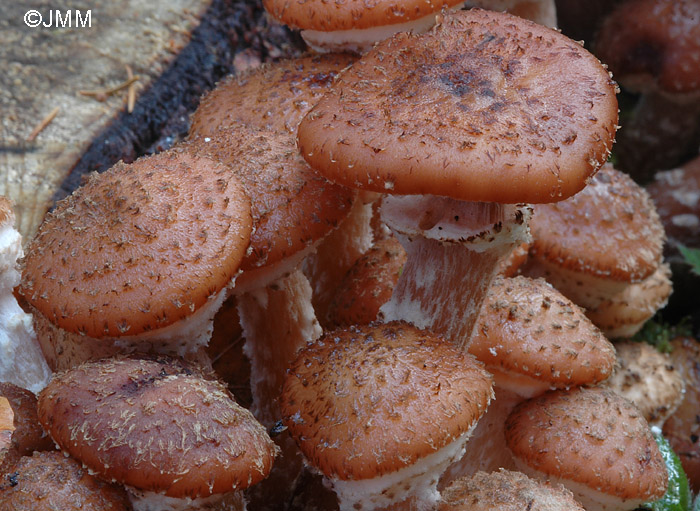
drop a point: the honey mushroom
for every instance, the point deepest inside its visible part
(175, 438)
(682, 428)
(47, 481)
(381, 409)
(20, 431)
(603, 249)
(505, 490)
(138, 258)
(591, 440)
(652, 48)
(649, 379)
(676, 195)
(531, 339)
(447, 211)
(293, 208)
(367, 285)
(471, 111)
(276, 97)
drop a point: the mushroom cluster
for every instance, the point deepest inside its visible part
(414, 258)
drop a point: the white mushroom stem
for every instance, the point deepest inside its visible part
(336, 253)
(486, 449)
(453, 250)
(412, 488)
(185, 338)
(151, 501)
(277, 320)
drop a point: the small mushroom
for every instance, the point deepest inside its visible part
(20, 431)
(367, 285)
(293, 209)
(653, 48)
(649, 379)
(676, 194)
(50, 481)
(138, 258)
(532, 339)
(591, 440)
(682, 428)
(380, 410)
(157, 426)
(603, 249)
(506, 490)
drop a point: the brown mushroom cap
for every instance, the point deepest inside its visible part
(25, 433)
(367, 285)
(647, 378)
(610, 229)
(371, 400)
(652, 44)
(156, 425)
(292, 206)
(676, 194)
(528, 330)
(527, 111)
(592, 437)
(139, 247)
(506, 490)
(682, 428)
(50, 481)
(274, 96)
(327, 16)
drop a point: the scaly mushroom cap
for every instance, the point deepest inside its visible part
(591, 437)
(676, 194)
(156, 425)
(139, 247)
(7, 429)
(531, 336)
(509, 266)
(485, 107)
(327, 16)
(647, 378)
(506, 491)
(48, 481)
(368, 284)
(610, 229)
(274, 96)
(292, 206)
(652, 44)
(22, 434)
(682, 429)
(371, 400)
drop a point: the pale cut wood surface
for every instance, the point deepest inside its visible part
(45, 67)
